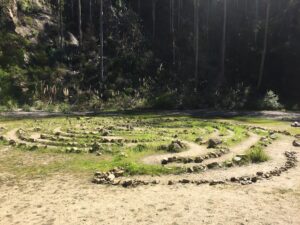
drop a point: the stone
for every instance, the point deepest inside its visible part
(164, 161)
(214, 142)
(295, 124)
(127, 183)
(198, 159)
(170, 182)
(237, 159)
(199, 139)
(190, 170)
(254, 179)
(233, 179)
(259, 173)
(228, 164)
(296, 143)
(111, 177)
(12, 142)
(213, 165)
(184, 181)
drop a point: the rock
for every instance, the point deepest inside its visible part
(176, 146)
(170, 182)
(199, 139)
(295, 124)
(213, 165)
(215, 182)
(164, 161)
(273, 136)
(184, 181)
(198, 159)
(297, 136)
(111, 177)
(237, 159)
(254, 179)
(2, 138)
(259, 173)
(214, 142)
(190, 170)
(127, 183)
(228, 164)
(233, 179)
(296, 143)
(96, 147)
(12, 142)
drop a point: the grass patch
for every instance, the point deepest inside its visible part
(257, 154)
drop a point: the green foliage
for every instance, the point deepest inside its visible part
(167, 100)
(270, 101)
(232, 97)
(27, 6)
(257, 154)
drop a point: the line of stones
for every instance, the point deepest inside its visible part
(109, 177)
(199, 159)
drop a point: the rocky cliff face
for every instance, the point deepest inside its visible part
(26, 18)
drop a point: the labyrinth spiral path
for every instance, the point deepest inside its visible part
(200, 151)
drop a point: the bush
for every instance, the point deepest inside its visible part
(166, 100)
(233, 97)
(257, 155)
(270, 101)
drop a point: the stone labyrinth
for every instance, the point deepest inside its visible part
(180, 149)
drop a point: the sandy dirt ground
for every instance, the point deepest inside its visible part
(66, 199)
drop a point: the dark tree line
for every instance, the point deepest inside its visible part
(194, 51)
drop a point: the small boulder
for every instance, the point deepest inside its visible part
(213, 165)
(214, 142)
(237, 159)
(12, 142)
(164, 161)
(295, 124)
(296, 143)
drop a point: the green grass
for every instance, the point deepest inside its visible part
(257, 154)
(151, 131)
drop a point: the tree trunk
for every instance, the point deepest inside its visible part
(172, 29)
(221, 77)
(61, 29)
(101, 42)
(263, 58)
(90, 12)
(179, 14)
(79, 23)
(196, 41)
(153, 18)
(256, 22)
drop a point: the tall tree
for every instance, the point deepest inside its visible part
(196, 41)
(101, 41)
(153, 17)
(79, 22)
(61, 25)
(264, 52)
(221, 77)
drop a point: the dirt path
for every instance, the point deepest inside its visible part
(198, 150)
(205, 113)
(66, 199)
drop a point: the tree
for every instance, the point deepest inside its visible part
(221, 77)
(264, 52)
(79, 22)
(101, 42)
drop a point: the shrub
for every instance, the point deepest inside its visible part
(270, 101)
(257, 155)
(166, 100)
